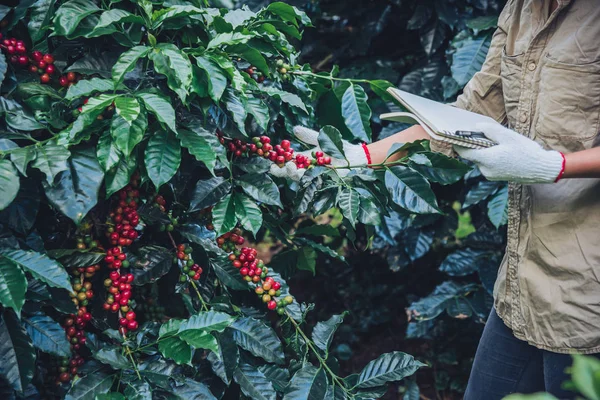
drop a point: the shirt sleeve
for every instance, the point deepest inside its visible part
(483, 93)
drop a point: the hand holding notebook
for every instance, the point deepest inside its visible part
(441, 121)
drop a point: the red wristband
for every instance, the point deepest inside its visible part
(367, 153)
(562, 169)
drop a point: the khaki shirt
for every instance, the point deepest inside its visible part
(542, 78)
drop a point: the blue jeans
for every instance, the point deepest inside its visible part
(504, 364)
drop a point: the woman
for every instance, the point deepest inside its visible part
(542, 79)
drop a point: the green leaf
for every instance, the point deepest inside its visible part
(176, 349)
(248, 213)
(481, 191)
(482, 23)
(498, 207)
(162, 157)
(225, 360)
(192, 390)
(40, 19)
(323, 332)
(76, 191)
(330, 141)
(42, 267)
(175, 11)
(138, 390)
(127, 61)
(113, 356)
(13, 285)
(535, 396)
(17, 117)
(228, 275)
(357, 113)
(389, 367)
(584, 374)
(107, 152)
(259, 339)
(150, 263)
(464, 261)
(110, 396)
(217, 81)
(51, 159)
(309, 383)
(17, 354)
(117, 16)
(90, 386)
(307, 259)
(176, 66)
(287, 97)
(119, 178)
(3, 67)
(127, 135)
(21, 158)
(161, 107)
(289, 13)
(410, 190)
(259, 110)
(89, 114)
(438, 168)
(70, 14)
(254, 383)
(228, 39)
(224, 215)
(200, 340)
(380, 88)
(469, 57)
(237, 108)
(207, 321)
(47, 335)
(208, 192)
(87, 87)
(280, 377)
(349, 201)
(435, 303)
(128, 108)
(261, 188)
(9, 183)
(199, 147)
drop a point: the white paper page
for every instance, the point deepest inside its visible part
(440, 117)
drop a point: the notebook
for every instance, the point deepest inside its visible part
(441, 121)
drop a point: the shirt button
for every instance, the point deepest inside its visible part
(531, 66)
(523, 117)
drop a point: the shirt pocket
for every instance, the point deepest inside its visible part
(511, 70)
(568, 104)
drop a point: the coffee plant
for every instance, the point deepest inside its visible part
(134, 160)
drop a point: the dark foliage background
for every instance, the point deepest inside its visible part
(442, 267)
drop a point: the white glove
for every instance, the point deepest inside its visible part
(355, 154)
(516, 158)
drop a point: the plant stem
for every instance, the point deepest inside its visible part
(329, 77)
(204, 305)
(336, 379)
(380, 165)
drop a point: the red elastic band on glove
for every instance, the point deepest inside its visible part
(562, 169)
(368, 154)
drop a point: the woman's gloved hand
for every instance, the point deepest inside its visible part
(515, 158)
(356, 154)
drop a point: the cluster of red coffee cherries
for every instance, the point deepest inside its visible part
(253, 270)
(255, 74)
(230, 240)
(121, 233)
(36, 62)
(124, 219)
(279, 154)
(189, 269)
(67, 368)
